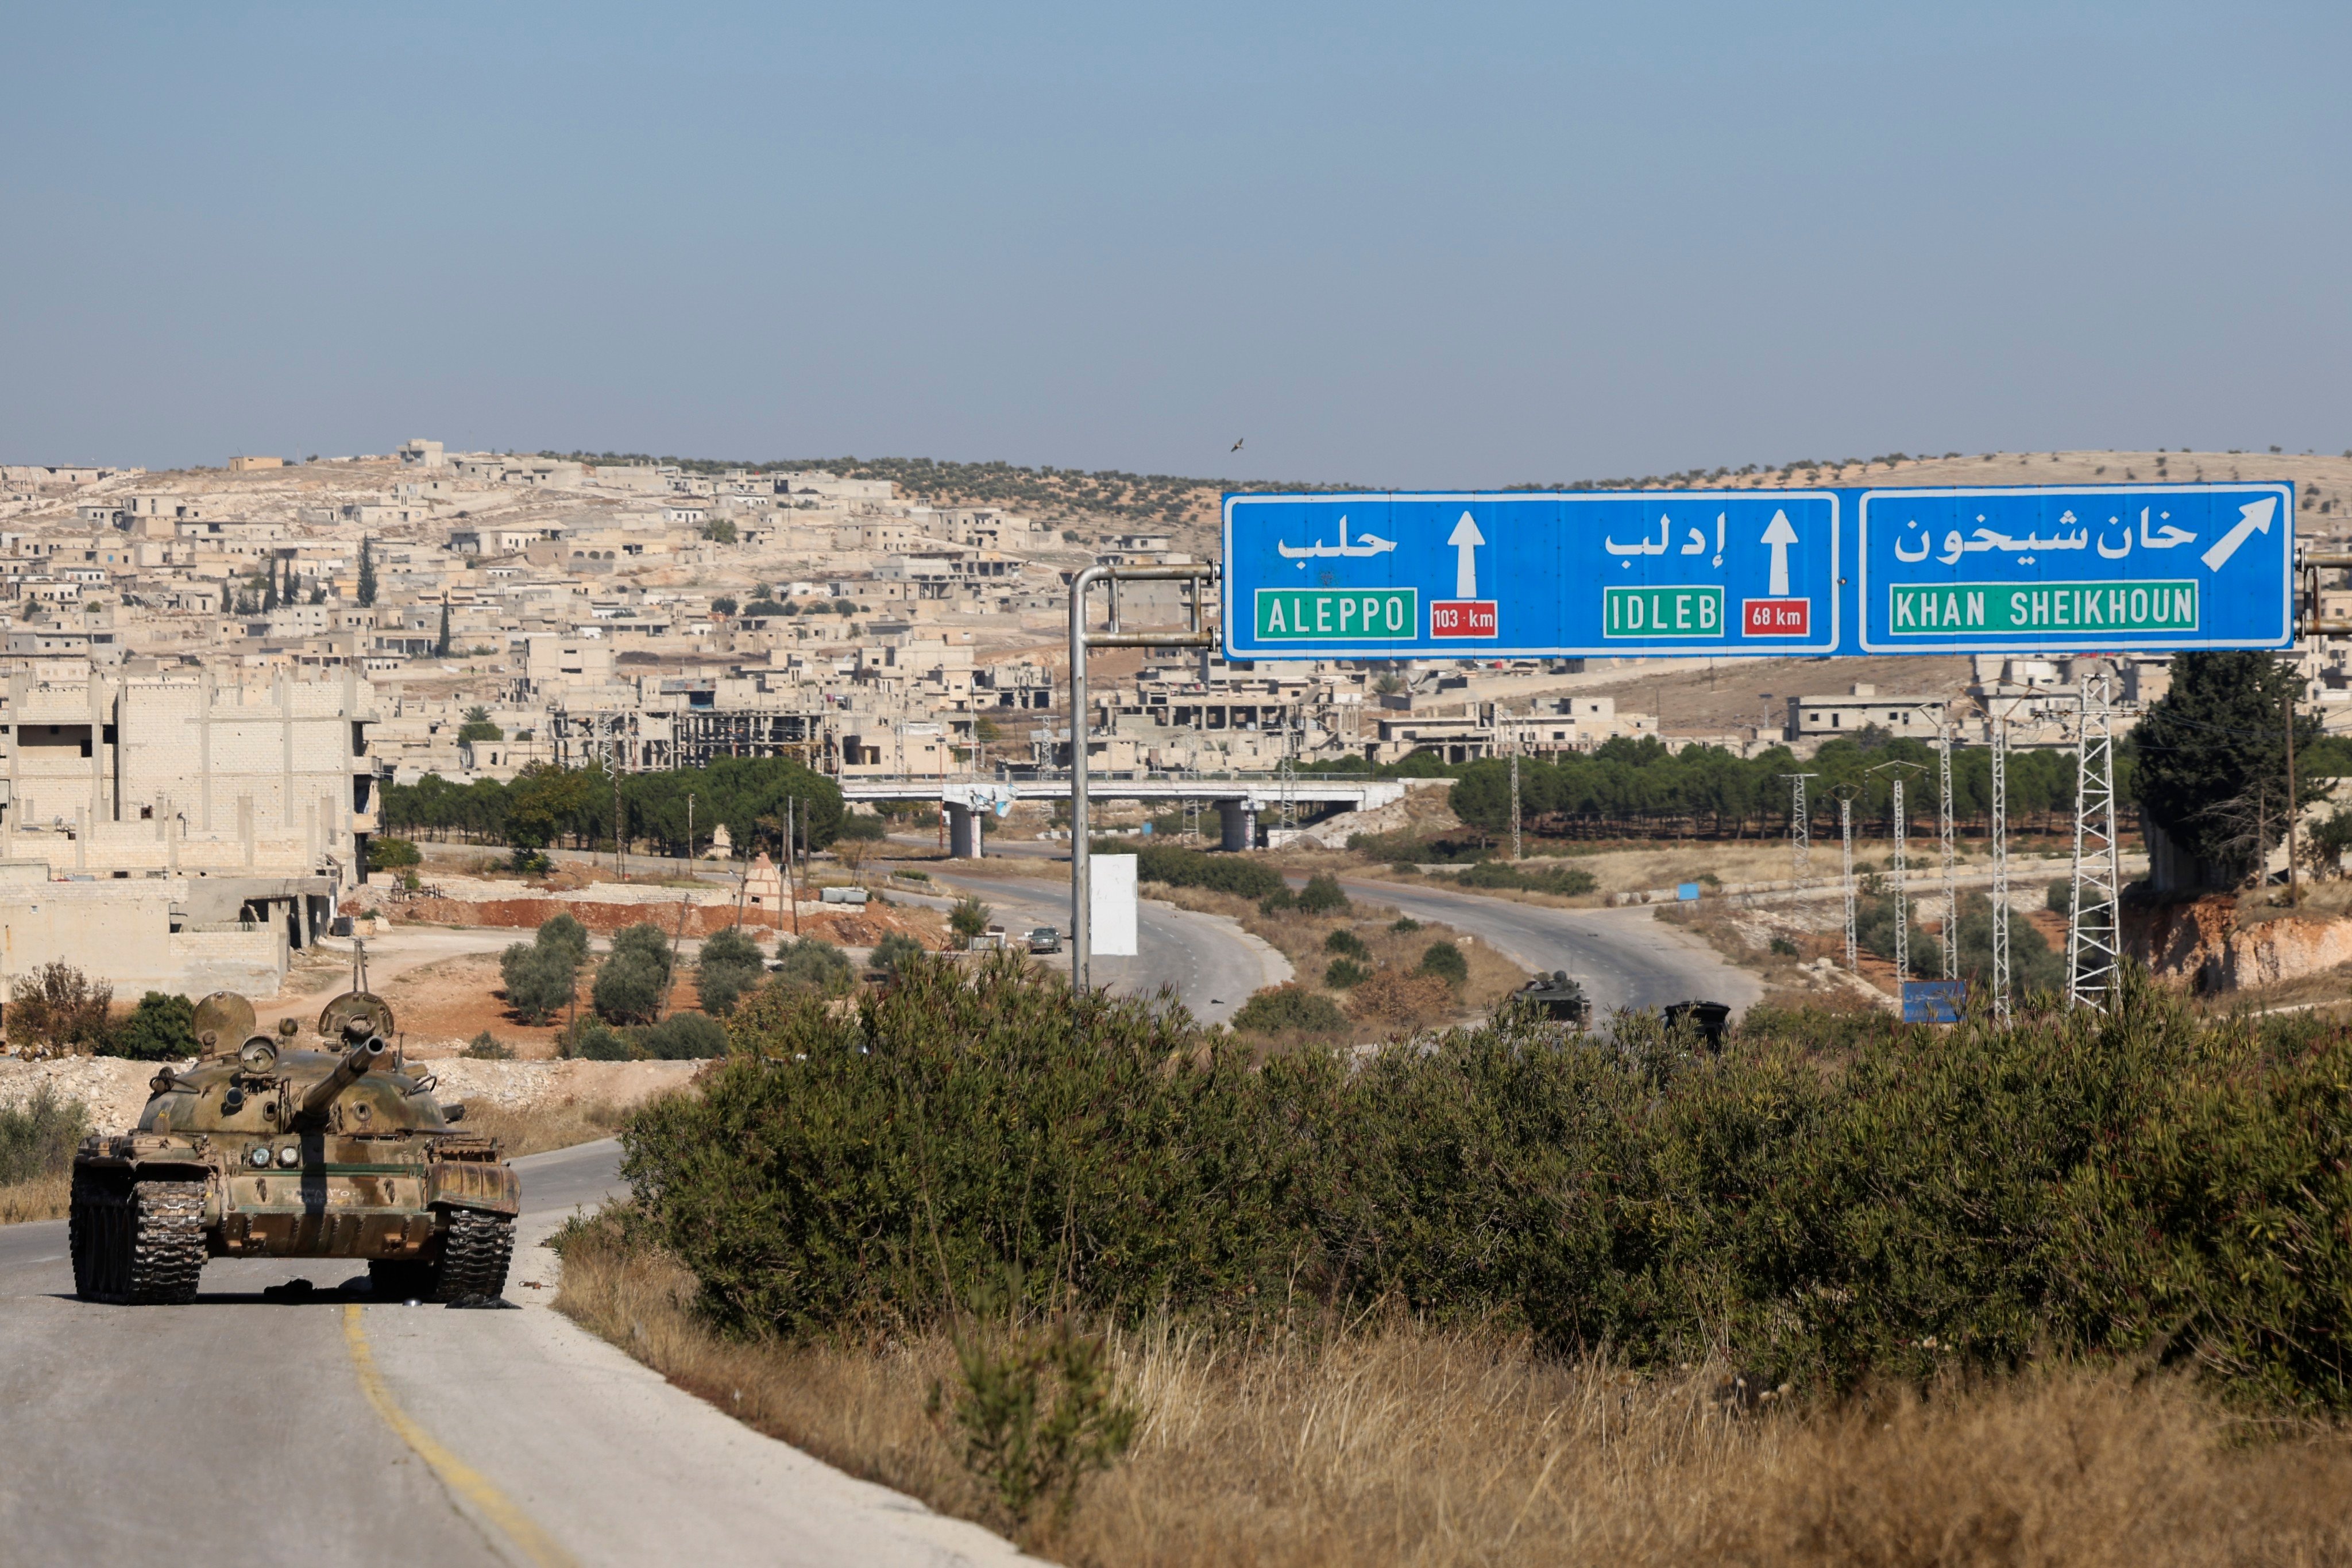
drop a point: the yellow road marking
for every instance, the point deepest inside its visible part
(456, 1474)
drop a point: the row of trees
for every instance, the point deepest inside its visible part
(547, 806)
(1638, 786)
(2221, 763)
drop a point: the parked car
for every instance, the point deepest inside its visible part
(1045, 939)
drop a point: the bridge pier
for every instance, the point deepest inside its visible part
(1239, 820)
(965, 830)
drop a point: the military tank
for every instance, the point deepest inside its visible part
(262, 1149)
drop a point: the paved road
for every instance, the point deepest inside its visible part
(1211, 962)
(238, 1431)
(1624, 958)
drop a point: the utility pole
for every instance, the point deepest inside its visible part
(1951, 862)
(2000, 823)
(1513, 741)
(1902, 905)
(689, 832)
(1846, 834)
(2293, 892)
(1801, 827)
(612, 761)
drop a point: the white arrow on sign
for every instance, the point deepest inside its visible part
(1465, 537)
(2254, 517)
(1780, 533)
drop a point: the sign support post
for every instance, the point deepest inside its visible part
(1195, 634)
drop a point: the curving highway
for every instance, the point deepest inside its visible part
(1624, 958)
(343, 1430)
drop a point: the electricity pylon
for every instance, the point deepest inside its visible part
(1801, 827)
(2001, 870)
(2094, 918)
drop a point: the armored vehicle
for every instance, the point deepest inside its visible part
(264, 1150)
(1557, 999)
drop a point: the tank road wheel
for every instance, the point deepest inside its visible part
(91, 1226)
(400, 1279)
(140, 1246)
(474, 1256)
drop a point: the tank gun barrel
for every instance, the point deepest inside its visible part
(348, 1071)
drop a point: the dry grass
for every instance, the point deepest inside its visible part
(1406, 1446)
(1300, 939)
(41, 1197)
(534, 1128)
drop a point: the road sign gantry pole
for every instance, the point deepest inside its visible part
(1196, 632)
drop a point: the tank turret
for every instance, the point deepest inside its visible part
(347, 1072)
(264, 1149)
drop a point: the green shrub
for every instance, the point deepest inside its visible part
(1273, 903)
(562, 931)
(1280, 1009)
(593, 1040)
(388, 854)
(1323, 896)
(633, 980)
(1342, 973)
(682, 1036)
(1565, 880)
(1444, 960)
(1404, 925)
(814, 965)
(1039, 1410)
(894, 951)
(1830, 1199)
(1346, 944)
(2058, 897)
(540, 979)
(730, 964)
(161, 1028)
(1221, 873)
(1783, 948)
(37, 1137)
(487, 1047)
(969, 917)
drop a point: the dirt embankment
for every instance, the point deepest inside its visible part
(2207, 943)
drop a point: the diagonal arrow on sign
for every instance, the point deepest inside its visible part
(1465, 538)
(2254, 517)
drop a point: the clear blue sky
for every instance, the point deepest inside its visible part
(1415, 245)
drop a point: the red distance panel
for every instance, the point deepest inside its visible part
(1462, 618)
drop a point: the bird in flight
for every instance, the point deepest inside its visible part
(1237, 445)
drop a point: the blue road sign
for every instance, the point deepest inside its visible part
(1934, 1001)
(1482, 575)
(2099, 569)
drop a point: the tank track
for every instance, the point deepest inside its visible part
(472, 1262)
(474, 1256)
(139, 1245)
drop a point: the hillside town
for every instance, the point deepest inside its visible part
(211, 674)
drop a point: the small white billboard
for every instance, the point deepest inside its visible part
(1110, 901)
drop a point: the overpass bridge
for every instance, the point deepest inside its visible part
(1239, 802)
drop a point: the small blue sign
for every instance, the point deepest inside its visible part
(1687, 891)
(1484, 575)
(1934, 1001)
(2100, 569)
